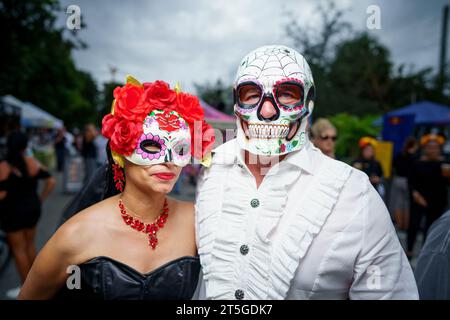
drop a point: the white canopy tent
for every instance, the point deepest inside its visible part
(33, 116)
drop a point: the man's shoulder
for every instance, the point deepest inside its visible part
(353, 185)
(338, 167)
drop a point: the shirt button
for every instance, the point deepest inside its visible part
(239, 294)
(244, 249)
(254, 203)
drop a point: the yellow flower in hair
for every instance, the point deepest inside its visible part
(364, 141)
(432, 137)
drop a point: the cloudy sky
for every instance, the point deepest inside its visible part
(201, 40)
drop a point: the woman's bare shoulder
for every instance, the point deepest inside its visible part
(83, 229)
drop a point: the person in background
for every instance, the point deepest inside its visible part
(100, 143)
(433, 265)
(400, 193)
(77, 140)
(428, 182)
(368, 164)
(89, 151)
(19, 176)
(324, 136)
(60, 148)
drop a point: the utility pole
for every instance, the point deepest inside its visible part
(113, 71)
(443, 53)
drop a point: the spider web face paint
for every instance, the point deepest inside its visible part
(166, 138)
(282, 76)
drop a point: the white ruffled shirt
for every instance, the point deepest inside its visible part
(314, 229)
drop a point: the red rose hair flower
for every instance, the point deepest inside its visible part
(134, 101)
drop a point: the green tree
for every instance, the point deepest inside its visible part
(217, 94)
(37, 65)
(350, 129)
(360, 75)
(353, 71)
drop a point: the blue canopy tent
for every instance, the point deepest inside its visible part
(399, 124)
(425, 112)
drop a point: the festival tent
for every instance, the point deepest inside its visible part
(424, 113)
(217, 118)
(399, 124)
(33, 116)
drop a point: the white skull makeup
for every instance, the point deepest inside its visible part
(166, 138)
(281, 76)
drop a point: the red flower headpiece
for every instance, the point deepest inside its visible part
(134, 101)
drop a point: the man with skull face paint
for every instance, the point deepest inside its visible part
(310, 227)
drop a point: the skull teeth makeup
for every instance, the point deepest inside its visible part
(274, 95)
(267, 131)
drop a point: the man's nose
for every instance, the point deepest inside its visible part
(268, 111)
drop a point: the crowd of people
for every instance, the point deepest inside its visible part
(418, 197)
(29, 160)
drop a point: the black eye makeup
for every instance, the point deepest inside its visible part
(289, 94)
(248, 95)
(150, 146)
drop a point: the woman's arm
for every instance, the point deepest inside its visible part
(4, 173)
(49, 271)
(50, 183)
(36, 169)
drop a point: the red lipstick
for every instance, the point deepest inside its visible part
(165, 176)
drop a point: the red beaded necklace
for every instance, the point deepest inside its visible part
(149, 228)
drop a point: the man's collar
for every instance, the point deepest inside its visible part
(230, 153)
(302, 157)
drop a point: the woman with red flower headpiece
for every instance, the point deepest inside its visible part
(137, 243)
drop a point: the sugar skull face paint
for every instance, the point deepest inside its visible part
(277, 79)
(166, 138)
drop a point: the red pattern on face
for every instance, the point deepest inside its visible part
(167, 121)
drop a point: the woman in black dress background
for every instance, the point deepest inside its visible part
(21, 204)
(428, 180)
(400, 194)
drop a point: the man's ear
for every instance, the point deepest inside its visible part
(311, 106)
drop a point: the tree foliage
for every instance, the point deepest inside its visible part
(350, 129)
(37, 64)
(353, 71)
(217, 95)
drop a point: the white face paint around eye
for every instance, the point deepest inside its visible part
(166, 138)
(282, 76)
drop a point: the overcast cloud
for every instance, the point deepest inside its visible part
(197, 41)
